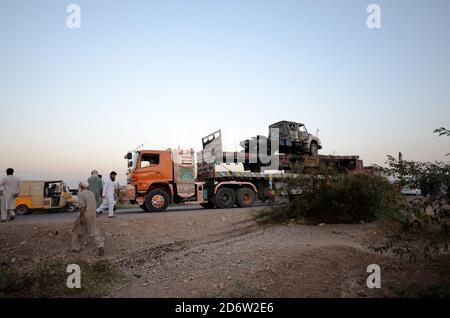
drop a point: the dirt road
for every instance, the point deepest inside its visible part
(214, 253)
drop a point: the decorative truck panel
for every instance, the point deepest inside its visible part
(184, 172)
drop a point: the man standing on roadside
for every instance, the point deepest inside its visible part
(85, 223)
(11, 189)
(109, 191)
(96, 187)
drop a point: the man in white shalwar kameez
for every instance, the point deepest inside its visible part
(11, 189)
(109, 191)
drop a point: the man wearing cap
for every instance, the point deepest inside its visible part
(96, 186)
(85, 223)
(109, 191)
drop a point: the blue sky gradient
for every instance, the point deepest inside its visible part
(166, 73)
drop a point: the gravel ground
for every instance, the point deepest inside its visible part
(215, 253)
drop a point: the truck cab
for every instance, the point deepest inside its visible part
(161, 177)
(149, 167)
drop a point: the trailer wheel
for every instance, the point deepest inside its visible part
(22, 210)
(157, 200)
(245, 197)
(225, 198)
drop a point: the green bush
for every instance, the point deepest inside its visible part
(338, 199)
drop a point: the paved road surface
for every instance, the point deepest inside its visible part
(40, 216)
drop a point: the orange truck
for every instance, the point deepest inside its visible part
(157, 178)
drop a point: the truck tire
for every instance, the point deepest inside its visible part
(314, 149)
(157, 200)
(245, 197)
(225, 198)
(22, 210)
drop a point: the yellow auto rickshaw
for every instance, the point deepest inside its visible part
(44, 195)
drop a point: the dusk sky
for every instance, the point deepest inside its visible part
(167, 73)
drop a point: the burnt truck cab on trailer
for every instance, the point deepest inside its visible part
(293, 138)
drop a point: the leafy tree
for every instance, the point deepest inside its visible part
(424, 222)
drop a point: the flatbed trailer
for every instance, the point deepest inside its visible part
(288, 162)
(240, 182)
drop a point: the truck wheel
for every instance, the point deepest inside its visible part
(144, 207)
(225, 198)
(22, 210)
(157, 200)
(245, 197)
(314, 149)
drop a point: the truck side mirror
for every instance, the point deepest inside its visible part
(129, 156)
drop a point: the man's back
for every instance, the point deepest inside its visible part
(96, 186)
(95, 183)
(86, 199)
(11, 184)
